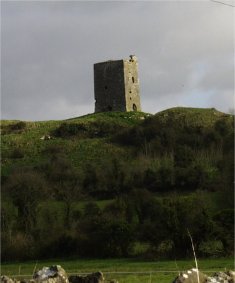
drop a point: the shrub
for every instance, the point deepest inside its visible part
(70, 129)
(17, 153)
(64, 245)
(13, 128)
(53, 149)
(18, 126)
(91, 130)
(211, 248)
(19, 247)
(165, 248)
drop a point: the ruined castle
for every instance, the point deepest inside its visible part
(117, 85)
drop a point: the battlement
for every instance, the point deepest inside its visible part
(116, 85)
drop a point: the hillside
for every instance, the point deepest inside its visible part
(80, 137)
(131, 183)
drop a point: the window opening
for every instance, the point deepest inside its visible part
(133, 79)
(134, 107)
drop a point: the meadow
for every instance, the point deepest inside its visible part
(123, 270)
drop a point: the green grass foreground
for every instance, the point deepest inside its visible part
(123, 270)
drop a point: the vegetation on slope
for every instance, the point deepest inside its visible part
(128, 183)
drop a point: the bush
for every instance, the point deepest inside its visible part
(104, 237)
(17, 153)
(13, 128)
(91, 130)
(211, 248)
(18, 126)
(69, 129)
(53, 149)
(19, 247)
(165, 248)
(224, 225)
(64, 245)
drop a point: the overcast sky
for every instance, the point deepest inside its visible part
(185, 51)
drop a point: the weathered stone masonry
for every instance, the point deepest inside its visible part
(117, 85)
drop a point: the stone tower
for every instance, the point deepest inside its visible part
(117, 85)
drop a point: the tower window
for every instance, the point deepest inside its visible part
(130, 98)
(134, 107)
(129, 91)
(133, 79)
(106, 87)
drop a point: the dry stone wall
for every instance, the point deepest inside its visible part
(56, 274)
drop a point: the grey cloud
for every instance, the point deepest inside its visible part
(49, 48)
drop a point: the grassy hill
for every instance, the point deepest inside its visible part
(78, 137)
(81, 137)
(131, 183)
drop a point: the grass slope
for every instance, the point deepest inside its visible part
(78, 148)
(93, 132)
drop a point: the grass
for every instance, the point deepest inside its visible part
(123, 270)
(83, 149)
(205, 117)
(78, 149)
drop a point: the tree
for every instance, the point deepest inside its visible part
(26, 188)
(65, 181)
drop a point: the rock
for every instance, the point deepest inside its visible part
(96, 277)
(232, 275)
(45, 138)
(190, 276)
(222, 277)
(53, 274)
(6, 279)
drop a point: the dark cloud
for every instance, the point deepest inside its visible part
(185, 52)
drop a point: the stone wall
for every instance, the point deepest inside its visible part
(56, 274)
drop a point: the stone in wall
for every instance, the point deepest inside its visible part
(53, 274)
(6, 279)
(190, 276)
(96, 277)
(222, 277)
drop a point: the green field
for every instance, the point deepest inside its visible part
(123, 270)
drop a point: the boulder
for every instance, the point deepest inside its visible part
(222, 277)
(190, 276)
(6, 279)
(53, 274)
(96, 277)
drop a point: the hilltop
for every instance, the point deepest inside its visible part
(130, 183)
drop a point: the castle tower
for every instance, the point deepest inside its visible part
(117, 85)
